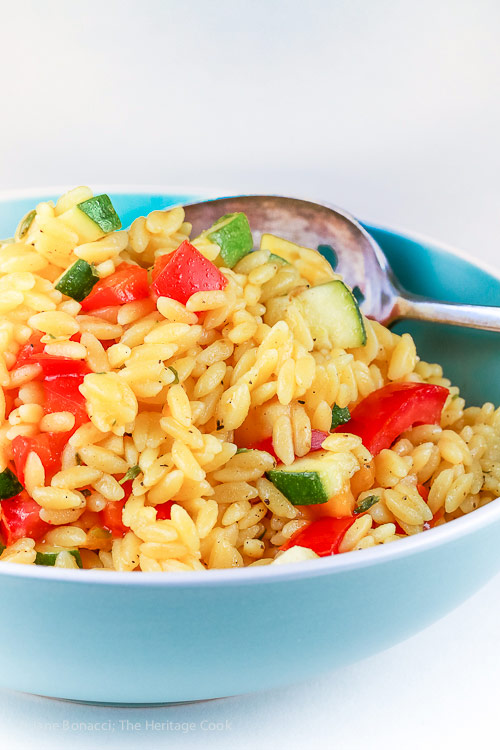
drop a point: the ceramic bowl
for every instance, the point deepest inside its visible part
(150, 638)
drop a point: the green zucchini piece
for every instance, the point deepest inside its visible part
(101, 211)
(273, 258)
(315, 478)
(9, 484)
(366, 504)
(339, 416)
(25, 224)
(232, 234)
(333, 316)
(176, 375)
(78, 280)
(49, 556)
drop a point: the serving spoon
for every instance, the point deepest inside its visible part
(361, 261)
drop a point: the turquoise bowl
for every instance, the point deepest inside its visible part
(148, 638)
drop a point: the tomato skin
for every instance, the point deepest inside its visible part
(20, 517)
(185, 272)
(30, 349)
(111, 517)
(127, 284)
(48, 446)
(63, 394)
(322, 536)
(55, 367)
(164, 510)
(384, 414)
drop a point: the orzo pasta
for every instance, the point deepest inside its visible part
(175, 405)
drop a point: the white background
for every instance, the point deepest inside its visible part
(390, 109)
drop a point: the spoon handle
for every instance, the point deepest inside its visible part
(471, 316)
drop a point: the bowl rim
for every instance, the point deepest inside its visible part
(334, 565)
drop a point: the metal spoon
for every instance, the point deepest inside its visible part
(361, 261)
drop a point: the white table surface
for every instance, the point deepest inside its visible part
(387, 108)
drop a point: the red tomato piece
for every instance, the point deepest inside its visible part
(48, 446)
(127, 284)
(423, 492)
(164, 510)
(383, 415)
(264, 445)
(20, 517)
(54, 367)
(111, 517)
(187, 271)
(63, 394)
(33, 346)
(322, 536)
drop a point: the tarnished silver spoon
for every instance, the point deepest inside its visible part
(361, 261)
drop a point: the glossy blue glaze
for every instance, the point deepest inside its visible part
(146, 638)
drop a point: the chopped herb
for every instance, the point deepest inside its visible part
(243, 450)
(301, 402)
(261, 537)
(2, 547)
(329, 254)
(78, 458)
(366, 504)
(85, 492)
(220, 425)
(26, 223)
(358, 295)
(176, 375)
(131, 474)
(339, 416)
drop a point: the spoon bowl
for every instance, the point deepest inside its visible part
(361, 261)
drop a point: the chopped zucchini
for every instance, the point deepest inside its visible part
(78, 281)
(273, 258)
(101, 211)
(92, 219)
(333, 316)
(176, 375)
(366, 504)
(9, 484)
(48, 555)
(24, 224)
(339, 416)
(232, 234)
(315, 478)
(284, 249)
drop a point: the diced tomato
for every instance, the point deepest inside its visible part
(264, 445)
(127, 284)
(159, 265)
(54, 367)
(63, 394)
(20, 517)
(322, 536)
(33, 346)
(423, 491)
(187, 271)
(48, 446)
(111, 517)
(383, 415)
(164, 510)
